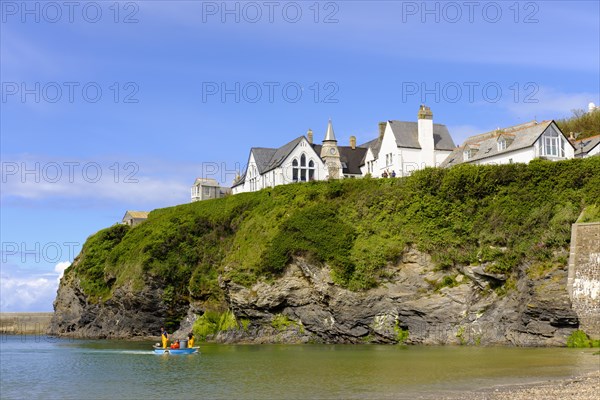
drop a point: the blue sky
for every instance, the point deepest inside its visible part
(108, 106)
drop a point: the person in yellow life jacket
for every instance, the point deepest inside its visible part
(164, 336)
(190, 340)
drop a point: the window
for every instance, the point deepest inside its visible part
(388, 159)
(553, 144)
(295, 170)
(303, 172)
(501, 144)
(468, 154)
(206, 191)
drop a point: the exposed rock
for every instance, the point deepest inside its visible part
(536, 313)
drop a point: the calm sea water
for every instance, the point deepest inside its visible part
(35, 367)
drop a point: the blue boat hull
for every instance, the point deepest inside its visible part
(175, 351)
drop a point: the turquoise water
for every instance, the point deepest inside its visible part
(34, 367)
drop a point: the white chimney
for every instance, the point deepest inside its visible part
(425, 128)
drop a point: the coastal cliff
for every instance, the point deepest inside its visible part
(470, 255)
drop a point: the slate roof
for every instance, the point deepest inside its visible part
(407, 135)
(374, 145)
(206, 182)
(584, 146)
(137, 214)
(350, 158)
(269, 158)
(518, 137)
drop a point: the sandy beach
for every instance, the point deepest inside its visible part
(586, 387)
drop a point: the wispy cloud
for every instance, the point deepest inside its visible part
(549, 102)
(24, 291)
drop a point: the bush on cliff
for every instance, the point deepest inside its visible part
(498, 215)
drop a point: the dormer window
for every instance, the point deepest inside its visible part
(501, 144)
(553, 144)
(468, 154)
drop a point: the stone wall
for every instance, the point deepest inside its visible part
(25, 323)
(583, 282)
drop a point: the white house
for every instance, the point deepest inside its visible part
(516, 144)
(403, 147)
(207, 188)
(587, 147)
(300, 161)
(134, 218)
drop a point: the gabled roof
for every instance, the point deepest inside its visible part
(268, 159)
(584, 146)
(206, 182)
(524, 135)
(137, 214)
(407, 135)
(374, 145)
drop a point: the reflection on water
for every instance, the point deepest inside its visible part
(34, 367)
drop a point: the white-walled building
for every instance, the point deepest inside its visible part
(516, 144)
(587, 147)
(404, 147)
(207, 188)
(300, 161)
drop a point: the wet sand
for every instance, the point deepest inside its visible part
(586, 387)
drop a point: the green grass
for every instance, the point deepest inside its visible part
(590, 214)
(213, 322)
(579, 339)
(501, 215)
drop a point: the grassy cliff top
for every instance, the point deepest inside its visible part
(499, 215)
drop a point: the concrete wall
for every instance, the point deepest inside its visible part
(25, 323)
(583, 282)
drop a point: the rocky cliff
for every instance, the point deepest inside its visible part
(475, 255)
(537, 312)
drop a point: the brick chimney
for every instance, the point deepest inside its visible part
(382, 126)
(353, 142)
(309, 134)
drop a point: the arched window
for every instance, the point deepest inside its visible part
(303, 168)
(295, 170)
(311, 170)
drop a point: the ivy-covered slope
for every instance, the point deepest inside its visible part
(499, 215)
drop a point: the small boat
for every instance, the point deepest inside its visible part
(187, 350)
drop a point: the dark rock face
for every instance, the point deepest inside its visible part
(127, 314)
(537, 313)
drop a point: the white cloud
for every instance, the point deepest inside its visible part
(60, 269)
(26, 291)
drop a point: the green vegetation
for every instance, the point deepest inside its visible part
(586, 124)
(590, 214)
(281, 322)
(401, 334)
(212, 322)
(579, 339)
(501, 215)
